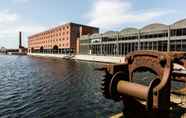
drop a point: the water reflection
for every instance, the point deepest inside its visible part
(36, 88)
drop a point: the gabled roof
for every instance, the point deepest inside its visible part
(179, 24)
(154, 27)
(109, 32)
(129, 30)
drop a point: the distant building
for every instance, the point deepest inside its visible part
(155, 36)
(3, 50)
(19, 51)
(63, 39)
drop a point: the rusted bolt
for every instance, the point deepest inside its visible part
(129, 59)
(163, 61)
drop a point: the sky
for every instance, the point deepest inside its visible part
(33, 16)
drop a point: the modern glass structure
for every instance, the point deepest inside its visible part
(155, 36)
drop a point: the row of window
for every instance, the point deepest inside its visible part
(60, 45)
(49, 41)
(50, 36)
(176, 32)
(107, 39)
(125, 48)
(60, 29)
(50, 46)
(160, 35)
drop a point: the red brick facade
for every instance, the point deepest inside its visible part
(61, 39)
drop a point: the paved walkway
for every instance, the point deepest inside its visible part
(109, 59)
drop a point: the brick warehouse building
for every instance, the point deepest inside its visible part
(63, 39)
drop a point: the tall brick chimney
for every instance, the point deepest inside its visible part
(20, 39)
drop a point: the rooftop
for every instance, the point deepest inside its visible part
(150, 28)
(60, 26)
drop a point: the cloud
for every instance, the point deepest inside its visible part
(7, 17)
(21, 1)
(11, 24)
(109, 14)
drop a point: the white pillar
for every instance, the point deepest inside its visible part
(139, 45)
(168, 41)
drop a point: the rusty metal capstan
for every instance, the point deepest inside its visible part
(145, 101)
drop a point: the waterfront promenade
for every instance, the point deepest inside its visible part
(106, 59)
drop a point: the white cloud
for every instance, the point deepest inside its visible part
(10, 25)
(109, 14)
(7, 17)
(21, 1)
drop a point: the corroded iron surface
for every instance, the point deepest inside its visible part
(118, 84)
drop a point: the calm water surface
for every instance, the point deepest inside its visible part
(33, 87)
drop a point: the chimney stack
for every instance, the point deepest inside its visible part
(20, 39)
